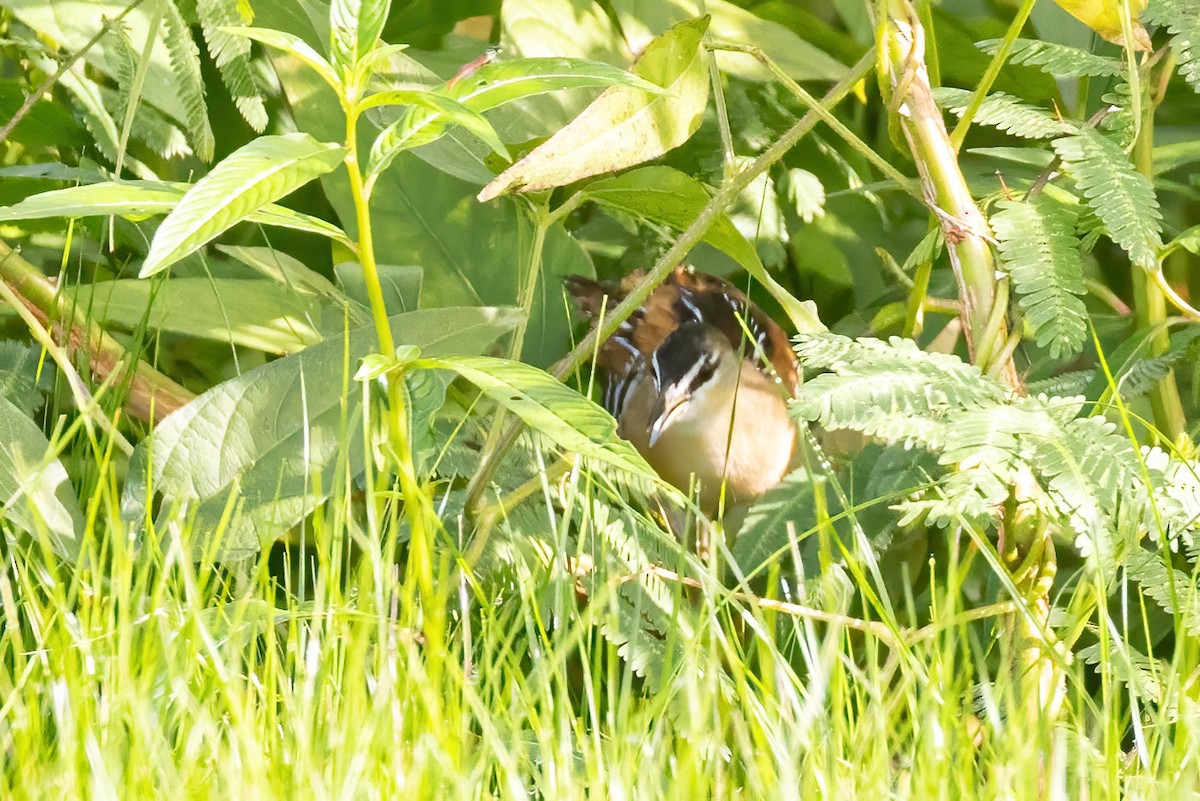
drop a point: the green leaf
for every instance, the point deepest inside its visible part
(251, 177)
(572, 421)
(732, 23)
(891, 390)
(273, 434)
(665, 196)
(354, 26)
(787, 511)
(1040, 251)
(19, 375)
(35, 491)
(495, 84)
(624, 126)
(231, 53)
(287, 270)
(135, 200)
(253, 313)
(1005, 112)
(1056, 59)
(1189, 240)
(1120, 196)
(1182, 20)
(428, 118)
(293, 45)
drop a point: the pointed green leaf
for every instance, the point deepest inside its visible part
(248, 179)
(354, 25)
(496, 84)
(624, 126)
(137, 200)
(253, 313)
(665, 196)
(549, 407)
(293, 45)
(429, 118)
(732, 22)
(35, 491)
(134, 200)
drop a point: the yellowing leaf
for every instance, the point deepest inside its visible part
(1104, 17)
(624, 126)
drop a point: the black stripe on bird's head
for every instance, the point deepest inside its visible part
(688, 362)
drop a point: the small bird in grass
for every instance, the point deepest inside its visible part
(698, 378)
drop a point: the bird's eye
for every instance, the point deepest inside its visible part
(703, 375)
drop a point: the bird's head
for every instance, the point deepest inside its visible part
(692, 368)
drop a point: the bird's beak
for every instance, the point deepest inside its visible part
(668, 406)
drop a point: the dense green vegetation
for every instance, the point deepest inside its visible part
(303, 492)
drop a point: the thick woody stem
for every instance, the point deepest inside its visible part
(964, 227)
(1026, 548)
(151, 395)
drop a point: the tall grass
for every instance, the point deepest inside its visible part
(138, 673)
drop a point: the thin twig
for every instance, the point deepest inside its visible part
(49, 83)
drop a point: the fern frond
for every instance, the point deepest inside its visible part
(1122, 197)
(1127, 665)
(1173, 590)
(982, 450)
(1005, 112)
(1055, 59)
(1119, 123)
(1039, 250)
(185, 68)
(645, 607)
(1072, 383)
(151, 127)
(231, 54)
(1137, 376)
(1182, 19)
(894, 390)
(124, 60)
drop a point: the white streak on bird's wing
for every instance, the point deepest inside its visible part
(625, 343)
(685, 297)
(617, 393)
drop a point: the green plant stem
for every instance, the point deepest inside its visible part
(1149, 301)
(420, 562)
(837, 126)
(366, 245)
(152, 395)
(963, 225)
(716, 206)
(714, 75)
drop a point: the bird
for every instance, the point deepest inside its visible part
(698, 378)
